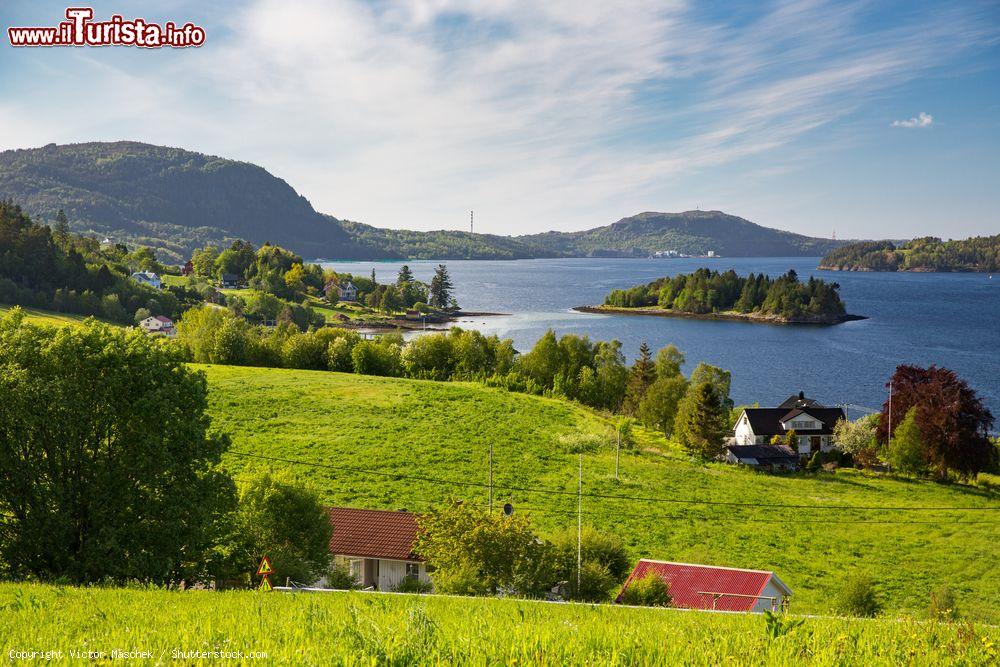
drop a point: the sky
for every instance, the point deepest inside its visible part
(871, 119)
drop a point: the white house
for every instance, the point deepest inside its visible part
(147, 278)
(376, 546)
(158, 325)
(717, 588)
(347, 292)
(813, 424)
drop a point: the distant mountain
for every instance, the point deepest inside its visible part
(690, 232)
(167, 198)
(176, 200)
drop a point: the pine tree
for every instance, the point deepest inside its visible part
(374, 282)
(62, 224)
(642, 374)
(441, 287)
(702, 421)
(405, 275)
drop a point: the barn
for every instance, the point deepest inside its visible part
(716, 588)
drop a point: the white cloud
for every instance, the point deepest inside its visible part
(560, 114)
(921, 120)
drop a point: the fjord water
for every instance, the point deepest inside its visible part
(948, 319)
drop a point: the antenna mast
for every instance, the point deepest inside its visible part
(471, 217)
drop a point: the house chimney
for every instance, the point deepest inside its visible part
(802, 395)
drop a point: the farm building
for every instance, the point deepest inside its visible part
(717, 588)
(769, 457)
(377, 546)
(230, 281)
(813, 424)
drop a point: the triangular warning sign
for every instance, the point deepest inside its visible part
(265, 584)
(265, 567)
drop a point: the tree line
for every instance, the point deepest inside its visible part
(706, 291)
(52, 269)
(929, 253)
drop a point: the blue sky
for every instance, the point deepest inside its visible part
(864, 119)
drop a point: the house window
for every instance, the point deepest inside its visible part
(413, 570)
(357, 568)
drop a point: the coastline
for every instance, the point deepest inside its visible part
(919, 269)
(729, 315)
(431, 323)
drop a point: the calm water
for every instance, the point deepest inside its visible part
(951, 320)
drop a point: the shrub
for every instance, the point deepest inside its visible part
(859, 597)
(650, 591)
(605, 563)
(944, 605)
(412, 585)
(582, 443)
(816, 462)
(339, 577)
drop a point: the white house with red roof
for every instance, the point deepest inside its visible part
(376, 546)
(158, 325)
(716, 588)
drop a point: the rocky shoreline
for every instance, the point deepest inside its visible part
(729, 315)
(430, 323)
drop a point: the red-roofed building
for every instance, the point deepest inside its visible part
(712, 587)
(377, 546)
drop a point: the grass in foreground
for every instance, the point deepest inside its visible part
(443, 430)
(364, 628)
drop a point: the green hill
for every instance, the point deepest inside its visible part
(690, 232)
(176, 200)
(414, 432)
(168, 198)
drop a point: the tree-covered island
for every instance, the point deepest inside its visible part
(927, 254)
(714, 295)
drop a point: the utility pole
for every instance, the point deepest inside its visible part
(471, 215)
(491, 477)
(579, 527)
(618, 449)
(888, 444)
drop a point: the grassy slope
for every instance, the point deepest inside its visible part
(48, 317)
(444, 430)
(359, 628)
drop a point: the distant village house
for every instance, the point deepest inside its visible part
(717, 588)
(230, 281)
(376, 546)
(769, 457)
(346, 292)
(813, 424)
(158, 325)
(188, 268)
(147, 278)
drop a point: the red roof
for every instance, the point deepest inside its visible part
(691, 585)
(373, 533)
(164, 319)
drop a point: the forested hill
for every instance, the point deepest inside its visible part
(167, 198)
(690, 232)
(980, 253)
(176, 200)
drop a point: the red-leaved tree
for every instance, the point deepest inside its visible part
(954, 424)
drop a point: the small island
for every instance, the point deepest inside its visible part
(707, 294)
(927, 254)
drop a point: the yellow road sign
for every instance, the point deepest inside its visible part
(265, 584)
(265, 567)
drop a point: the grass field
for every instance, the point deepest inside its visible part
(443, 431)
(48, 317)
(386, 629)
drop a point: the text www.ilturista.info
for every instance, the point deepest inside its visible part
(80, 30)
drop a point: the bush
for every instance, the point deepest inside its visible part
(412, 585)
(944, 605)
(650, 591)
(582, 443)
(339, 577)
(816, 462)
(605, 563)
(859, 597)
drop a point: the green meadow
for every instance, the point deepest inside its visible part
(387, 629)
(47, 317)
(394, 443)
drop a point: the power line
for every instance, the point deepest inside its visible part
(609, 496)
